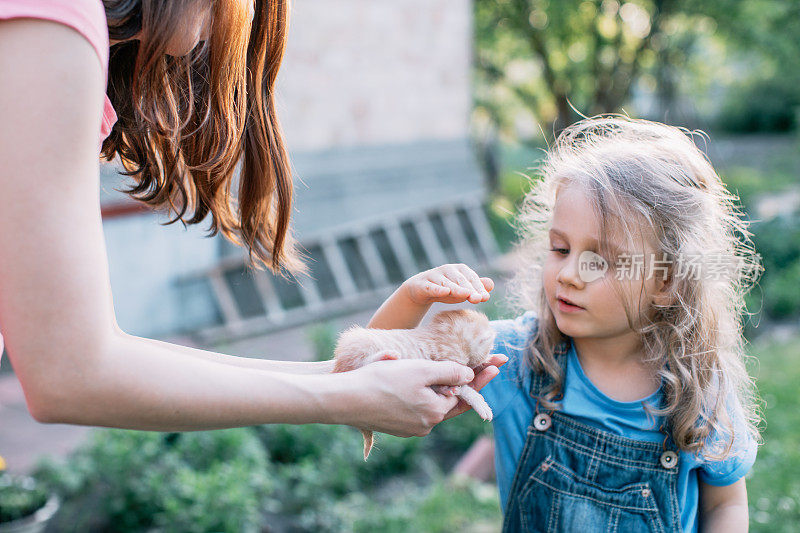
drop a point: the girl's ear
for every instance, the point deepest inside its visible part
(663, 295)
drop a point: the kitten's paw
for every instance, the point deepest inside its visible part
(476, 401)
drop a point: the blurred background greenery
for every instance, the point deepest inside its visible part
(728, 67)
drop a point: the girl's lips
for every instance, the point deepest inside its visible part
(568, 308)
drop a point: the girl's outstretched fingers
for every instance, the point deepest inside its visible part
(452, 283)
(488, 284)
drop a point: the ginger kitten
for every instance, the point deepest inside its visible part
(460, 335)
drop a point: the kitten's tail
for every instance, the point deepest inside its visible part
(475, 400)
(467, 393)
(369, 438)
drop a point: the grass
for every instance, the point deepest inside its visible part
(773, 485)
(443, 507)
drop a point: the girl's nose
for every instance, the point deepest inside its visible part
(569, 274)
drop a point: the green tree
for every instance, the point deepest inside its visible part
(559, 59)
(556, 57)
(763, 37)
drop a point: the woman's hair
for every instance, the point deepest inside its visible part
(649, 181)
(187, 125)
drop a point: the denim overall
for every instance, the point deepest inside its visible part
(572, 477)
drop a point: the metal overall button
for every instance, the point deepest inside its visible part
(669, 459)
(646, 492)
(542, 422)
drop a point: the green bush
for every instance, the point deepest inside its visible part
(746, 183)
(441, 508)
(297, 478)
(323, 340)
(766, 105)
(318, 465)
(450, 439)
(783, 292)
(501, 214)
(320, 470)
(778, 242)
(137, 480)
(19, 497)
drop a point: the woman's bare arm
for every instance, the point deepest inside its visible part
(56, 307)
(271, 365)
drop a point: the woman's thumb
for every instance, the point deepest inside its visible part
(449, 373)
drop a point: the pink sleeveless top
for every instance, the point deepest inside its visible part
(87, 17)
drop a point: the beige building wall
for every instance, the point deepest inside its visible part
(373, 72)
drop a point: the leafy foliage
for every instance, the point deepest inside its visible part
(558, 60)
(138, 480)
(19, 497)
(778, 242)
(558, 57)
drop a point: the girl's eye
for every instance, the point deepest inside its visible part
(562, 251)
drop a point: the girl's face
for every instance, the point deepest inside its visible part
(196, 28)
(190, 31)
(600, 307)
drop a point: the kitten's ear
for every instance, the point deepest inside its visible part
(385, 355)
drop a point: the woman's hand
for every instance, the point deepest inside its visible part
(396, 397)
(483, 375)
(450, 284)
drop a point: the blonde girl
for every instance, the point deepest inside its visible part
(625, 404)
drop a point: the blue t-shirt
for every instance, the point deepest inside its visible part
(513, 408)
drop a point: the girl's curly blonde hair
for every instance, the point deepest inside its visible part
(650, 179)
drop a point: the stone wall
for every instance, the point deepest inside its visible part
(367, 72)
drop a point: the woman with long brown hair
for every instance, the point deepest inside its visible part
(182, 92)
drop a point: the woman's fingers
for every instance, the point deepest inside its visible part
(460, 408)
(448, 373)
(483, 375)
(498, 359)
(409, 404)
(444, 405)
(399, 398)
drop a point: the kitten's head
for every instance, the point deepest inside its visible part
(470, 330)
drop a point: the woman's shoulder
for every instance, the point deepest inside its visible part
(87, 17)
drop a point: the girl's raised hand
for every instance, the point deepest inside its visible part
(450, 284)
